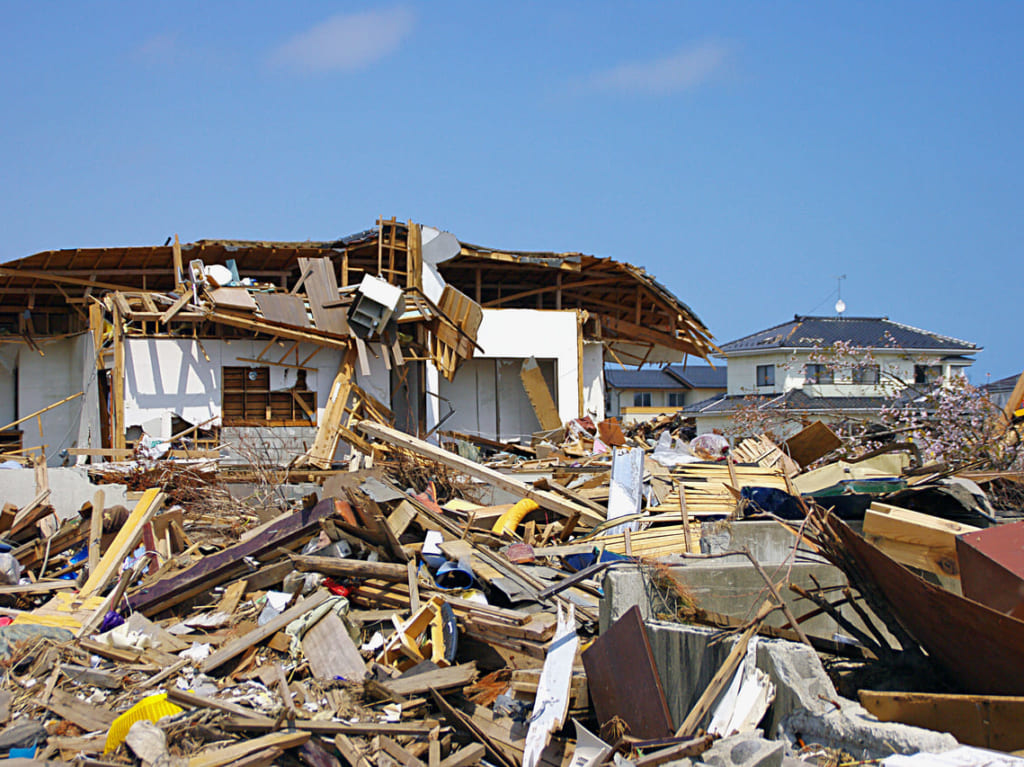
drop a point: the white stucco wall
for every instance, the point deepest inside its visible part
(514, 335)
(8, 394)
(44, 380)
(166, 375)
(593, 380)
(894, 367)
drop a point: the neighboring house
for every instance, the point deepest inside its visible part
(999, 391)
(829, 368)
(636, 395)
(277, 349)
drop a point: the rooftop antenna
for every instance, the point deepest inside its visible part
(840, 304)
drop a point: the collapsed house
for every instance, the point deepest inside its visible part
(277, 348)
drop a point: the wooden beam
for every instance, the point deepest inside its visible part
(544, 499)
(125, 540)
(257, 635)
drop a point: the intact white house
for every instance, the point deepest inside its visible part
(830, 369)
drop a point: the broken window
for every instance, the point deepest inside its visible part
(867, 374)
(766, 375)
(641, 399)
(249, 401)
(817, 374)
(927, 374)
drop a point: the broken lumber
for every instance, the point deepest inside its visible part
(544, 499)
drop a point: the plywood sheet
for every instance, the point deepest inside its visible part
(321, 288)
(233, 299)
(331, 652)
(284, 308)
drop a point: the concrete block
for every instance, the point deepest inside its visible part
(729, 586)
(859, 733)
(768, 541)
(745, 750)
(69, 489)
(688, 656)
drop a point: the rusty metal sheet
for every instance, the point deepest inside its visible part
(284, 308)
(981, 648)
(624, 681)
(992, 567)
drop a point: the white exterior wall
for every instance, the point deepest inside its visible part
(894, 367)
(170, 375)
(8, 395)
(514, 334)
(593, 380)
(42, 381)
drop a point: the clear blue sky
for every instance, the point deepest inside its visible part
(744, 153)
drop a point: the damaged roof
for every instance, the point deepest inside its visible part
(636, 317)
(803, 332)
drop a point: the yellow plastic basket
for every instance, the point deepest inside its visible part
(152, 708)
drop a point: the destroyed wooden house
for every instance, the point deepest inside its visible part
(236, 348)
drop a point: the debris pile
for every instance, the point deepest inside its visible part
(430, 609)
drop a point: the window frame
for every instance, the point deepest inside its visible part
(768, 378)
(857, 375)
(821, 375)
(926, 375)
(639, 396)
(676, 395)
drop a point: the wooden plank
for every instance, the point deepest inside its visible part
(176, 307)
(396, 752)
(326, 441)
(466, 756)
(331, 652)
(126, 539)
(544, 499)
(624, 680)
(439, 679)
(88, 717)
(217, 757)
(350, 568)
(322, 290)
(257, 635)
(234, 298)
(539, 395)
(915, 539)
(318, 727)
(183, 698)
(986, 721)
(96, 530)
(283, 308)
(811, 443)
(552, 700)
(214, 569)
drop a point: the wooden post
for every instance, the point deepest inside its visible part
(117, 436)
(96, 530)
(179, 284)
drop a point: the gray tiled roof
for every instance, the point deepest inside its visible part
(700, 376)
(640, 379)
(669, 377)
(875, 332)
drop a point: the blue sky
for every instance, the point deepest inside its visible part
(744, 153)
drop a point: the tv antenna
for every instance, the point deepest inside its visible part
(840, 303)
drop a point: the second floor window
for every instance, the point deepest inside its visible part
(927, 374)
(675, 399)
(766, 375)
(817, 374)
(641, 399)
(868, 374)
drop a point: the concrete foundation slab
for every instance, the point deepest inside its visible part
(69, 489)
